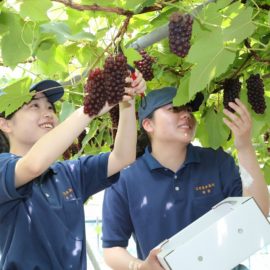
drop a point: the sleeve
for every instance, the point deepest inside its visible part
(9, 195)
(230, 176)
(116, 222)
(89, 174)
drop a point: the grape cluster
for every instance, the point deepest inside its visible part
(95, 92)
(180, 30)
(106, 84)
(145, 65)
(114, 114)
(255, 93)
(80, 139)
(115, 72)
(232, 89)
(71, 151)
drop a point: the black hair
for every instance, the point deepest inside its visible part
(4, 143)
(143, 139)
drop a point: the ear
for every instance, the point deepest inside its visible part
(4, 125)
(147, 125)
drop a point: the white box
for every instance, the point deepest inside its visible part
(225, 236)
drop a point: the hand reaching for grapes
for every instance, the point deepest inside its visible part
(138, 86)
(240, 124)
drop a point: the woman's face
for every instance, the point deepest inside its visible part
(32, 121)
(173, 124)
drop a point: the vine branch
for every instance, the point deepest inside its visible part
(254, 54)
(120, 34)
(116, 10)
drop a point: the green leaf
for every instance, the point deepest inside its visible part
(210, 17)
(14, 47)
(258, 123)
(4, 22)
(266, 171)
(182, 96)
(241, 27)
(66, 110)
(62, 32)
(202, 135)
(269, 17)
(210, 59)
(216, 129)
(138, 6)
(55, 55)
(223, 3)
(35, 10)
(132, 55)
(148, 3)
(77, 20)
(132, 3)
(15, 95)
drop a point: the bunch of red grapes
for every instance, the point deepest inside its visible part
(231, 91)
(106, 84)
(180, 31)
(145, 65)
(255, 92)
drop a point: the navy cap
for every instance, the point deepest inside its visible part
(52, 89)
(161, 97)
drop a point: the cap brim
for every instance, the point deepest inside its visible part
(51, 89)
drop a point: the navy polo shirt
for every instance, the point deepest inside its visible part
(42, 224)
(152, 203)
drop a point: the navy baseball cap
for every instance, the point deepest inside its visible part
(161, 97)
(51, 89)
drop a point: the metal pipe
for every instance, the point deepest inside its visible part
(161, 32)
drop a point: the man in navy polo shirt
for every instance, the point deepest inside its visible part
(173, 183)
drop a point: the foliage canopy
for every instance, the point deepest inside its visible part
(63, 40)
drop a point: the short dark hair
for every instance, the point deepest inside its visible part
(4, 143)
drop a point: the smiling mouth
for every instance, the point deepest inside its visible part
(47, 126)
(184, 126)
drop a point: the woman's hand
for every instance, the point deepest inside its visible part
(151, 262)
(240, 124)
(138, 86)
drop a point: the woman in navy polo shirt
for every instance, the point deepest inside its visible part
(41, 201)
(173, 183)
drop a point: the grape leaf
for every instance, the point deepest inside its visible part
(210, 58)
(15, 95)
(132, 3)
(14, 41)
(132, 55)
(241, 27)
(4, 22)
(182, 96)
(258, 123)
(202, 135)
(216, 129)
(266, 172)
(66, 110)
(62, 32)
(35, 10)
